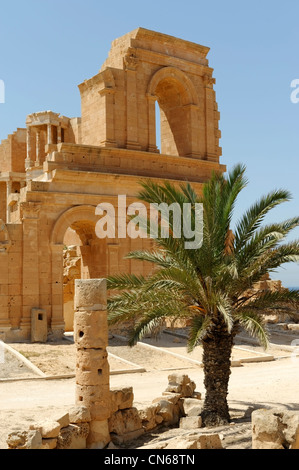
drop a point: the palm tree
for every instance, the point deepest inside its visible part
(209, 286)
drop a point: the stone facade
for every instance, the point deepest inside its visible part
(57, 170)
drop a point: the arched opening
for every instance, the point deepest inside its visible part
(84, 257)
(83, 254)
(175, 112)
(174, 118)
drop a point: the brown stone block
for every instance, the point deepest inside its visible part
(91, 329)
(96, 376)
(91, 293)
(87, 359)
(99, 435)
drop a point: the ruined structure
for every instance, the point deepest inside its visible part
(57, 170)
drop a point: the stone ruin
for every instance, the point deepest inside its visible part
(104, 417)
(56, 170)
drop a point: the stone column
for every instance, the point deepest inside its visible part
(49, 134)
(8, 192)
(152, 144)
(28, 161)
(37, 160)
(210, 123)
(108, 124)
(92, 372)
(5, 270)
(30, 220)
(59, 134)
(131, 62)
(57, 319)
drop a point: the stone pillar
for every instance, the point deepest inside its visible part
(28, 161)
(131, 62)
(210, 123)
(152, 144)
(57, 319)
(8, 192)
(37, 160)
(92, 372)
(30, 219)
(108, 124)
(59, 134)
(49, 134)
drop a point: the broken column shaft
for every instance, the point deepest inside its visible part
(92, 368)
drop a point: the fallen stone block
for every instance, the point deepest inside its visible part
(149, 416)
(275, 429)
(48, 429)
(99, 436)
(79, 414)
(49, 444)
(182, 384)
(209, 441)
(73, 436)
(191, 406)
(127, 437)
(63, 420)
(121, 399)
(191, 422)
(31, 439)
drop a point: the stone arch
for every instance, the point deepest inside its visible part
(179, 76)
(69, 218)
(178, 103)
(88, 260)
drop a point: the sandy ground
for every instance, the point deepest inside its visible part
(253, 384)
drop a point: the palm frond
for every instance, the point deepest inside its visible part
(254, 216)
(255, 325)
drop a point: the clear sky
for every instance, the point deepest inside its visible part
(48, 47)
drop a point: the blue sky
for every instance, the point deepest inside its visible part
(48, 47)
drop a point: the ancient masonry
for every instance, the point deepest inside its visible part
(103, 417)
(56, 170)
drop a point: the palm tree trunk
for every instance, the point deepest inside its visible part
(217, 348)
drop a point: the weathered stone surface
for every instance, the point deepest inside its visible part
(98, 375)
(31, 439)
(73, 436)
(125, 421)
(275, 429)
(63, 420)
(99, 435)
(79, 414)
(192, 406)
(150, 417)
(182, 384)
(126, 438)
(49, 444)
(121, 399)
(48, 429)
(91, 293)
(96, 399)
(190, 422)
(169, 396)
(209, 441)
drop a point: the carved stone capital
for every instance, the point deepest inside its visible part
(130, 61)
(30, 210)
(208, 80)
